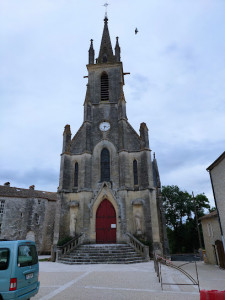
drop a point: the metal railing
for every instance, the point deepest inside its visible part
(69, 246)
(138, 246)
(158, 261)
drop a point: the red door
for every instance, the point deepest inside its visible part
(105, 223)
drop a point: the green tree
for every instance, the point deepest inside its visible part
(201, 203)
(176, 205)
(181, 212)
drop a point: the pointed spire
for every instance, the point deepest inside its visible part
(117, 50)
(66, 139)
(91, 53)
(144, 136)
(105, 52)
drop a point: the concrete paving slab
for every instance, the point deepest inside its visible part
(98, 293)
(57, 280)
(118, 282)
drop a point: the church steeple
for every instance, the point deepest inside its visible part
(107, 161)
(106, 52)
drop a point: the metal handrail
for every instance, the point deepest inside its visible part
(138, 246)
(158, 260)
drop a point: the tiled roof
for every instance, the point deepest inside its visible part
(211, 215)
(7, 191)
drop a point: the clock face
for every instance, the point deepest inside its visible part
(104, 126)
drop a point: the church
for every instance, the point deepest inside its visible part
(109, 186)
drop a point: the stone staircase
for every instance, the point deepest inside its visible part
(102, 254)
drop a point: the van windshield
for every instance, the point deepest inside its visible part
(4, 258)
(27, 255)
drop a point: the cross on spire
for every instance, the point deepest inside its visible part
(106, 5)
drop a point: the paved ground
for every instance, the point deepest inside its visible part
(120, 282)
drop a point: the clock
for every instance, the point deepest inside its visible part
(104, 126)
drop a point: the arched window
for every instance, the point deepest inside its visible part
(104, 87)
(76, 175)
(104, 59)
(135, 172)
(105, 165)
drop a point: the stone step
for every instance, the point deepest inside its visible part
(104, 245)
(102, 257)
(79, 251)
(100, 262)
(102, 254)
(104, 248)
(119, 248)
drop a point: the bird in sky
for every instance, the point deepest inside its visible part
(136, 31)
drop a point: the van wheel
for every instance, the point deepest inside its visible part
(1, 297)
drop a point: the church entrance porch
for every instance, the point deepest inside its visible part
(105, 223)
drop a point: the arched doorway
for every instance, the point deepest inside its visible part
(220, 252)
(105, 223)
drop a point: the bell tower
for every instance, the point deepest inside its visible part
(106, 167)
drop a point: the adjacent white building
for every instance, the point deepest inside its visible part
(217, 176)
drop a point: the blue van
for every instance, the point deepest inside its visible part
(19, 270)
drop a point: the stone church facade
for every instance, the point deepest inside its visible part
(109, 183)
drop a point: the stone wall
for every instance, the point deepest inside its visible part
(211, 233)
(218, 180)
(24, 218)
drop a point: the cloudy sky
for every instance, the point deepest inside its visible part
(176, 85)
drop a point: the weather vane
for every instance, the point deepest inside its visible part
(106, 5)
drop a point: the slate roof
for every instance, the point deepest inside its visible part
(7, 191)
(211, 215)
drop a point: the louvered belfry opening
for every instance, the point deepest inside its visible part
(105, 165)
(135, 172)
(76, 175)
(104, 87)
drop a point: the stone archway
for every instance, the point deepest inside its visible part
(105, 192)
(105, 223)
